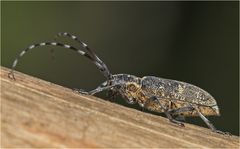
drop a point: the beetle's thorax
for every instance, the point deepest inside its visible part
(122, 79)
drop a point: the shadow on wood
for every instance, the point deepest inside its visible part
(36, 113)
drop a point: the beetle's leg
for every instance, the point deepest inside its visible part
(100, 88)
(209, 124)
(178, 111)
(127, 99)
(181, 110)
(171, 119)
(112, 93)
(190, 108)
(166, 112)
(178, 116)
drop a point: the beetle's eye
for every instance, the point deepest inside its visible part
(132, 88)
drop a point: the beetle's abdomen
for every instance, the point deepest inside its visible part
(166, 103)
(205, 110)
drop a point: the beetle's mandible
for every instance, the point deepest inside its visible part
(174, 98)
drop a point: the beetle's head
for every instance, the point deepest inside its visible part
(132, 87)
(128, 85)
(131, 91)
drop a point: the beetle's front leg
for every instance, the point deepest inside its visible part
(113, 92)
(100, 88)
(128, 99)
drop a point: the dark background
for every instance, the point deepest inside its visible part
(195, 42)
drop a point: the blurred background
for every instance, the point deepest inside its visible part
(194, 42)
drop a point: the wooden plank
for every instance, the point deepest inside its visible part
(36, 113)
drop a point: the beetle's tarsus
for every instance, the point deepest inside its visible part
(11, 75)
(80, 91)
(179, 117)
(222, 132)
(171, 119)
(177, 122)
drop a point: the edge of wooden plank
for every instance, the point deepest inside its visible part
(126, 127)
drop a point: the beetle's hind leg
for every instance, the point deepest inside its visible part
(206, 121)
(192, 108)
(209, 124)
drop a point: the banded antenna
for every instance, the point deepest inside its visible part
(89, 54)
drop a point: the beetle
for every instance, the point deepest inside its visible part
(171, 97)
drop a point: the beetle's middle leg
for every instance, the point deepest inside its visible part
(176, 115)
(181, 110)
(166, 111)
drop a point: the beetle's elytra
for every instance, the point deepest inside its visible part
(174, 98)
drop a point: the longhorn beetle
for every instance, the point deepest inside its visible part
(171, 97)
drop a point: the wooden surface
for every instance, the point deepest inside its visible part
(36, 113)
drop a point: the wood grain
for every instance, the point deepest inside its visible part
(37, 113)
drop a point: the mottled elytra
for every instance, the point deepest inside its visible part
(174, 98)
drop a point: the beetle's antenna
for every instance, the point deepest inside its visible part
(100, 67)
(105, 69)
